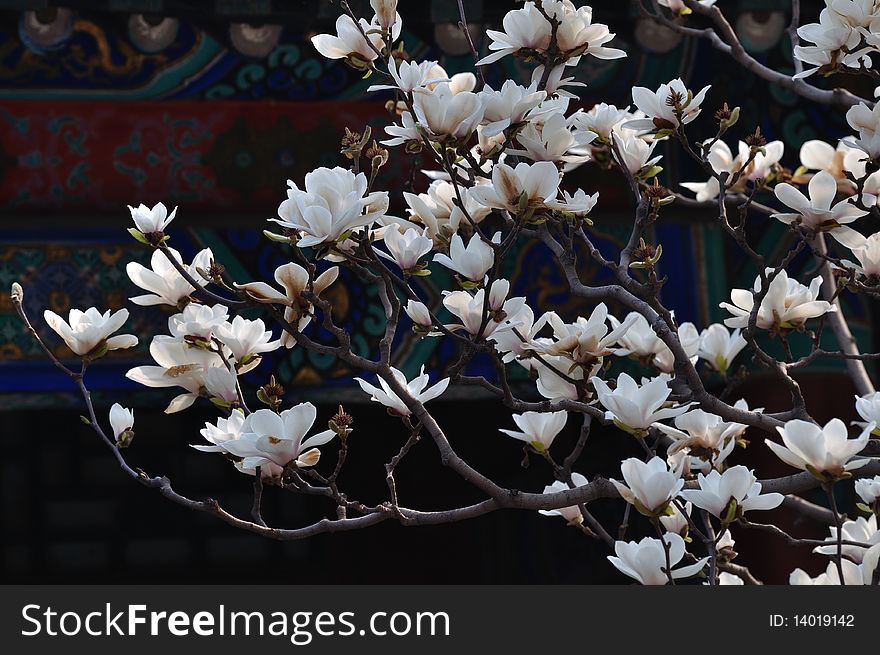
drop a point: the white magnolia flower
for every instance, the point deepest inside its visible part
(634, 153)
(689, 338)
(165, 284)
(816, 155)
(246, 339)
(818, 213)
(221, 384)
(334, 202)
(697, 429)
(387, 16)
(719, 347)
(178, 365)
(866, 122)
(571, 514)
(408, 247)
(539, 429)
(419, 313)
(645, 560)
(602, 119)
(867, 251)
(868, 489)
(868, 567)
(508, 106)
(418, 390)
(677, 522)
(280, 438)
(824, 451)
(852, 575)
(152, 220)
(635, 408)
(749, 168)
(538, 183)
(579, 204)
(552, 141)
(666, 108)
(514, 348)
(294, 279)
(578, 35)
(524, 29)
(551, 385)
(556, 83)
(861, 530)
(87, 331)
(448, 114)
(224, 430)
(641, 342)
(349, 42)
(587, 339)
(458, 83)
(410, 76)
(736, 490)
(198, 321)
(469, 309)
(121, 420)
(868, 407)
(650, 486)
(836, 42)
(406, 132)
(788, 303)
(473, 261)
(439, 212)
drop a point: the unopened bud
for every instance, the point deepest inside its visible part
(16, 293)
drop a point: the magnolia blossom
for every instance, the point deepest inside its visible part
(868, 407)
(817, 212)
(197, 321)
(448, 114)
(417, 390)
(571, 514)
(553, 140)
(269, 438)
(334, 202)
(666, 108)
(473, 261)
(409, 76)
(178, 365)
(88, 331)
(650, 486)
(725, 494)
(152, 220)
(697, 429)
(868, 489)
(222, 430)
(121, 420)
(787, 305)
(602, 119)
(386, 14)
(645, 560)
(246, 339)
(408, 247)
(867, 251)
(634, 153)
(221, 385)
(836, 39)
(579, 35)
(556, 83)
(824, 451)
(635, 408)
(852, 575)
(419, 313)
(529, 185)
(439, 212)
(867, 123)
(294, 279)
(553, 386)
(349, 42)
(677, 521)
(539, 429)
(524, 29)
(508, 106)
(470, 309)
(587, 339)
(165, 284)
(719, 347)
(861, 530)
(640, 341)
(516, 348)
(746, 166)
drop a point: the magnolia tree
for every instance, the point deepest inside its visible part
(498, 165)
